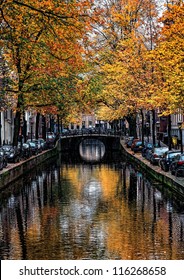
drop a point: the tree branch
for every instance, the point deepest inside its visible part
(46, 12)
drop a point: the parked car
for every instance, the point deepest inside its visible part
(33, 146)
(50, 140)
(138, 146)
(177, 163)
(157, 153)
(26, 151)
(147, 146)
(129, 143)
(38, 144)
(42, 143)
(134, 143)
(12, 153)
(3, 159)
(167, 159)
(64, 132)
(128, 138)
(148, 153)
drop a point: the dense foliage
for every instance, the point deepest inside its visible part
(114, 57)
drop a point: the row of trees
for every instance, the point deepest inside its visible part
(139, 62)
(117, 57)
(42, 44)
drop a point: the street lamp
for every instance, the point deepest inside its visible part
(180, 132)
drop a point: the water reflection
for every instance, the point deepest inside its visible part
(92, 150)
(84, 211)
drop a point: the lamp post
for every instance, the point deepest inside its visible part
(181, 136)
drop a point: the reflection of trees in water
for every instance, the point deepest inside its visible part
(21, 232)
(76, 211)
(132, 188)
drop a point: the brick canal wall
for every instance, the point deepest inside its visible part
(16, 170)
(165, 178)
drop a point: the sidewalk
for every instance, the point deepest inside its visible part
(164, 177)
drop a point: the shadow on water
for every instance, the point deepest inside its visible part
(91, 152)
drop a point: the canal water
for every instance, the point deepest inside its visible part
(80, 208)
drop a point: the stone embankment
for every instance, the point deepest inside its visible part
(171, 182)
(15, 170)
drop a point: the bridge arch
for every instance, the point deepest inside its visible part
(72, 143)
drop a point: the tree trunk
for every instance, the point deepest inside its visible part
(43, 128)
(142, 127)
(58, 124)
(61, 125)
(0, 130)
(132, 125)
(153, 127)
(24, 129)
(16, 128)
(169, 132)
(37, 125)
(19, 110)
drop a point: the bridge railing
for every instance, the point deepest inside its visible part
(88, 131)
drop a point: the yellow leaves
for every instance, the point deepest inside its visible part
(139, 78)
(47, 39)
(173, 22)
(127, 78)
(44, 47)
(169, 61)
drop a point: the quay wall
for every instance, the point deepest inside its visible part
(14, 171)
(165, 178)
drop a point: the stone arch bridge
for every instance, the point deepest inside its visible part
(72, 142)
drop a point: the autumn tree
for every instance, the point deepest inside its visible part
(39, 41)
(124, 34)
(169, 60)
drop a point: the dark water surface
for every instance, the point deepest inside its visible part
(71, 209)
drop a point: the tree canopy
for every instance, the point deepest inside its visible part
(138, 53)
(114, 57)
(42, 44)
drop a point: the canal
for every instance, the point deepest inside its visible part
(80, 208)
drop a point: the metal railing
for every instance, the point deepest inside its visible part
(87, 132)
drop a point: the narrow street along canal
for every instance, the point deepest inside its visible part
(82, 209)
